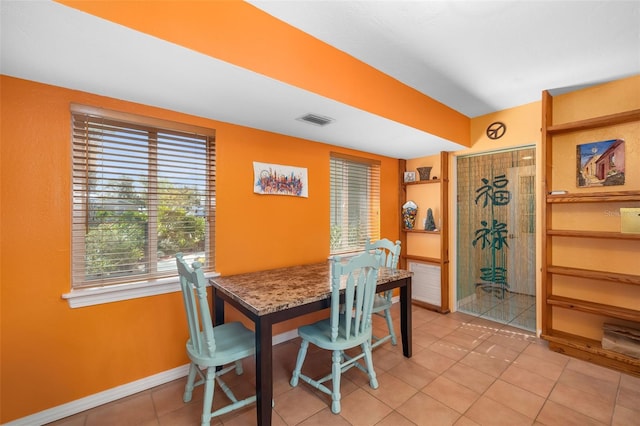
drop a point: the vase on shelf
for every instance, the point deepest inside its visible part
(409, 212)
(424, 172)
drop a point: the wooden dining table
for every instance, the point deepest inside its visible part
(276, 295)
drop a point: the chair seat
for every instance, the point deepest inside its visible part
(381, 303)
(319, 333)
(233, 341)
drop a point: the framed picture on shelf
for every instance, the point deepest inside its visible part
(409, 177)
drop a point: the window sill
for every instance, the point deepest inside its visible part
(80, 298)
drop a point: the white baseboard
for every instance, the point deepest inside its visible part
(113, 394)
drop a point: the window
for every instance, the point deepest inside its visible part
(355, 202)
(143, 190)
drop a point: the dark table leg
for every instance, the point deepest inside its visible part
(218, 308)
(264, 370)
(405, 318)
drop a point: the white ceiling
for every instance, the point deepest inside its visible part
(477, 57)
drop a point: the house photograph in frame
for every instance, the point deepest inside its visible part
(277, 179)
(600, 163)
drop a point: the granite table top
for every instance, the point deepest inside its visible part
(265, 292)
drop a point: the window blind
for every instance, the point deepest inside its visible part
(142, 192)
(355, 202)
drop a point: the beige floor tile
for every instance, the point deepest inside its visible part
(423, 338)
(630, 382)
(435, 387)
(385, 358)
(549, 369)
(461, 338)
(393, 419)
(391, 390)
(516, 398)
(354, 411)
(624, 416)
(189, 414)
(413, 374)
(528, 380)
(486, 363)
(421, 409)
(582, 402)
(553, 414)
(629, 398)
(75, 420)
(433, 360)
(601, 388)
(469, 377)
(543, 352)
(480, 328)
(450, 393)
(298, 404)
(486, 411)
(449, 349)
(495, 350)
(137, 409)
(465, 421)
(593, 370)
(509, 339)
(323, 418)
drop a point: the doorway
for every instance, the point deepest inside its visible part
(496, 236)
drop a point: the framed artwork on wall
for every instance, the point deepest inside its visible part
(600, 163)
(278, 179)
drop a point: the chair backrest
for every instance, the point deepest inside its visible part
(196, 305)
(390, 251)
(359, 279)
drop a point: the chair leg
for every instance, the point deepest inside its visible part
(302, 353)
(366, 349)
(336, 371)
(239, 369)
(387, 316)
(188, 389)
(207, 402)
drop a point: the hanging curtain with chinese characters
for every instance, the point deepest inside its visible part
(496, 236)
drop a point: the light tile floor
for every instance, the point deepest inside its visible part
(514, 309)
(464, 371)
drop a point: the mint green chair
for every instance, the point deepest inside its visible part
(211, 347)
(382, 304)
(347, 327)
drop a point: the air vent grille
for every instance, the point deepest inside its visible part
(316, 120)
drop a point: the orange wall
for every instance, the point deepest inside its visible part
(52, 354)
(239, 33)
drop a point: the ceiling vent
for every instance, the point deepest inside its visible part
(316, 120)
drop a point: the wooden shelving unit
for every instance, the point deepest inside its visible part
(571, 298)
(442, 234)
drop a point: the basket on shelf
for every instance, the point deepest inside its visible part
(424, 172)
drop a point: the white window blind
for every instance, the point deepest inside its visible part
(355, 202)
(143, 190)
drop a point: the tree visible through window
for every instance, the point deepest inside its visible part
(143, 191)
(355, 203)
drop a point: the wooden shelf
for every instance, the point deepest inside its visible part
(594, 275)
(429, 239)
(594, 123)
(421, 258)
(594, 308)
(593, 234)
(591, 350)
(575, 345)
(421, 231)
(422, 182)
(594, 197)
